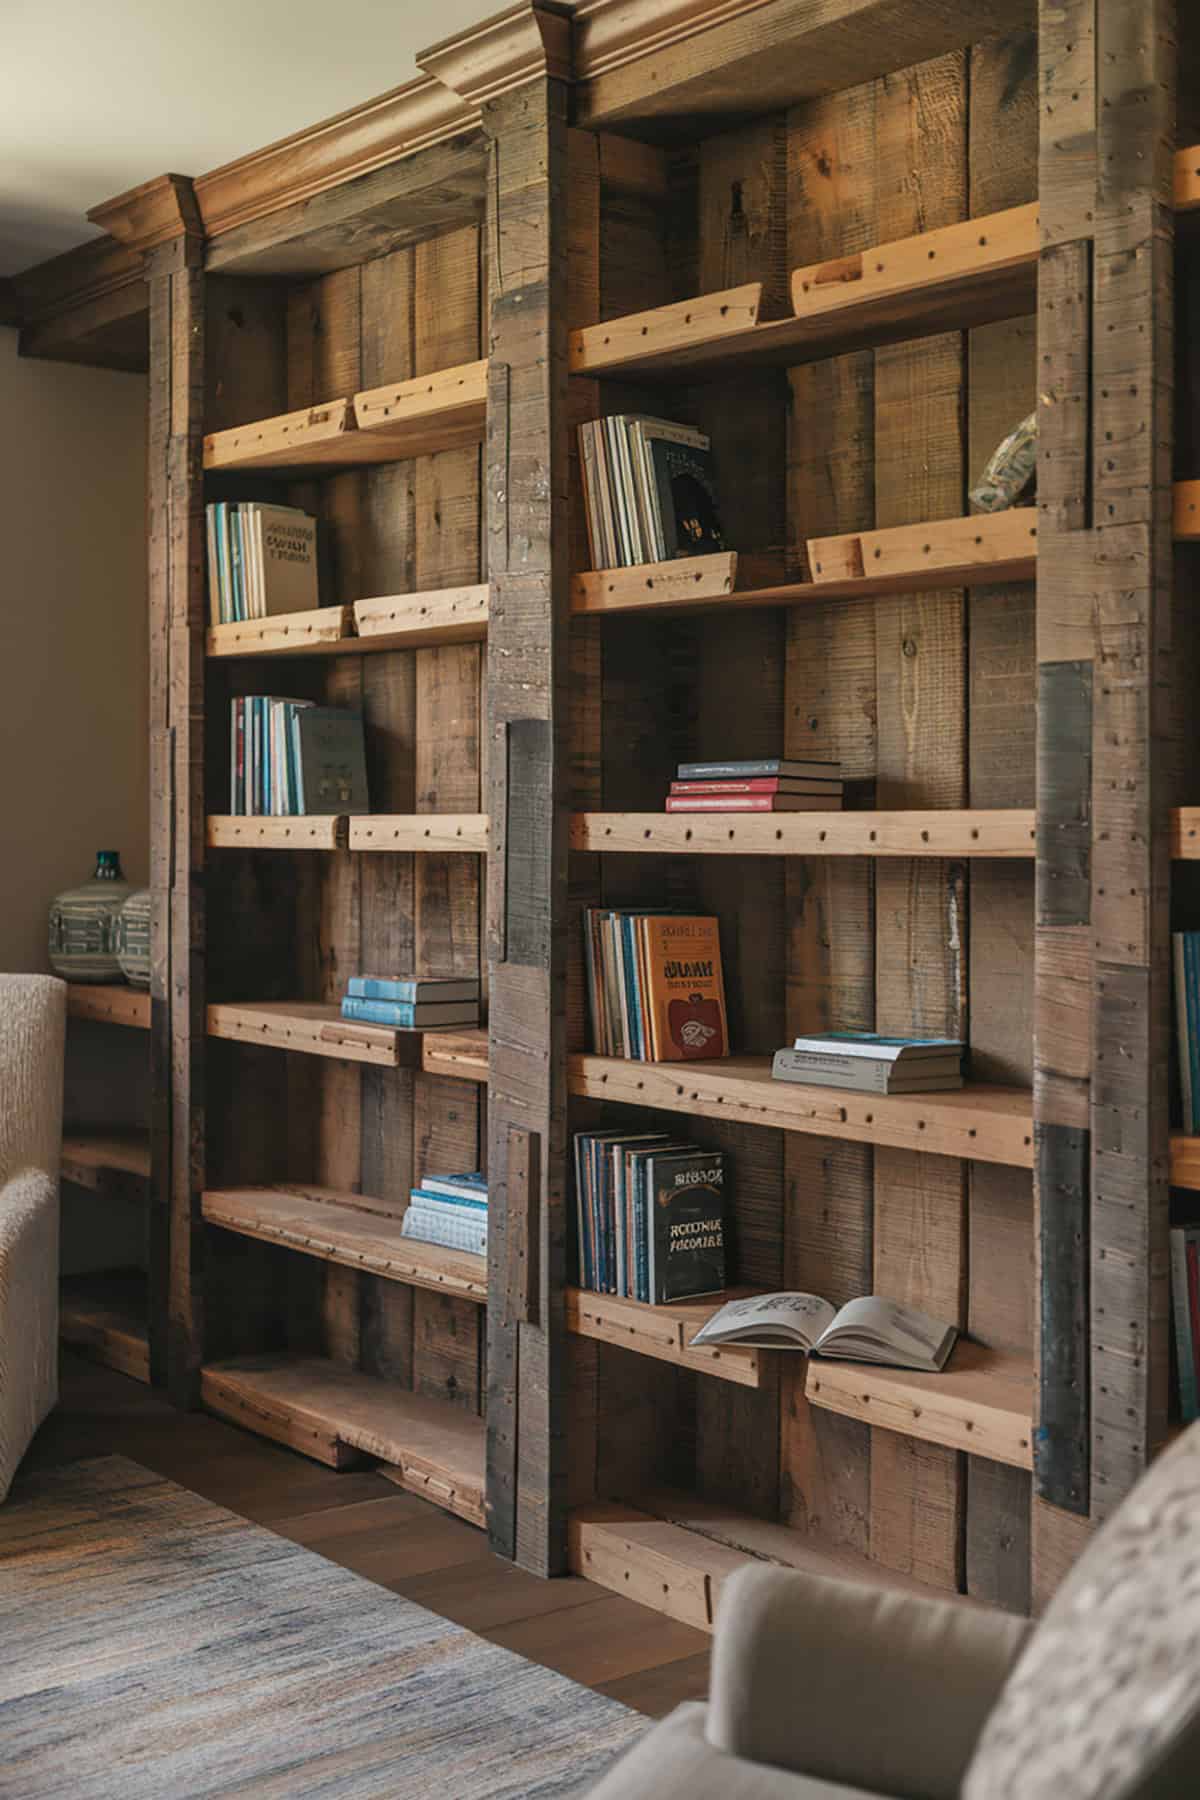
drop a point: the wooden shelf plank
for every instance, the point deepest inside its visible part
(114, 1004)
(1185, 834)
(318, 633)
(104, 1317)
(1185, 1161)
(89, 1157)
(664, 1332)
(981, 548)
(442, 411)
(463, 1054)
(332, 1414)
(980, 1123)
(348, 1229)
(313, 437)
(409, 621)
(310, 831)
(673, 1552)
(1005, 833)
(421, 831)
(981, 1402)
(314, 1028)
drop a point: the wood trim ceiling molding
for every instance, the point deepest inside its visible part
(611, 33)
(512, 48)
(152, 214)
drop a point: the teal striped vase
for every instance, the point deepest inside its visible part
(83, 924)
(133, 938)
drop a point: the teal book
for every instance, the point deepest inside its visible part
(403, 1017)
(411, 990)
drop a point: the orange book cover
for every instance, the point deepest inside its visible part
(684, 988)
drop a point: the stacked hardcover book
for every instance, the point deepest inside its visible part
(650, 1216)
(771, 784)
(450, 1210)
(655, 987)
(1186, 946)
(290, 756)
(870, 1064)
(262, 560)
(410, 1002)
(649, 491)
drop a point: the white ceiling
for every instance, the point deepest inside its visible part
(99, 95)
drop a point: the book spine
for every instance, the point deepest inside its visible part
(752, 803)
(1179, 971)
(1181, 1315)
(729, 770)
(378, 1012)
(449, 1234)
(762, 784)
(687, 1204)
(1193, 1292)
(1191, 949)
(863, 1078)
(456, 1205)
(410, 993)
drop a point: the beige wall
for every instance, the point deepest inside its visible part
(73, 722)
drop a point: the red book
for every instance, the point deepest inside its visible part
(760, 784)
(753, 803)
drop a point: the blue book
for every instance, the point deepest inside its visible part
(459, 1202)
(411, 990)
(402, 1017)
(474, 1186)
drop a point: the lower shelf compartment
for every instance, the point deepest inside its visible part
(347, 1229)
(665, 1332)
(338, 1415)
(673, 1552)
(981, 1402)
(104, 1316)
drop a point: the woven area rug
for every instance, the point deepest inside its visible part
(153, 1646)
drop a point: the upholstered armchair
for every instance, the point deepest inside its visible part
(32, 1026)
(825, 1689)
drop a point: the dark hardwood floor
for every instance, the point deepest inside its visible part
(359, 1520)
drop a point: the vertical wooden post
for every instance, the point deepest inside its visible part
(174, 271)
(1108, 754)
(528, 535)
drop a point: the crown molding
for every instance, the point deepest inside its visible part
(97, 270)
(152, 214)
(514, 47)
(611, 33)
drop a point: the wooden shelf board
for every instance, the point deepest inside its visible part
(316, 1029)
(673, 1552)
(409, 621)
(975, 549)
(442, 411)
(946, 280)
(321, 633)
(981, 1402)
(440, 832)
(310, 831)
(463, 1054)
(104, 1317)
(664, 1332)
(89, 1157)
(114, 1004)
(347, 1229)
(992, 833)
(1185, 1160)
(334, 1415)
(314, 437)
(1185, 833)
(982, 1124)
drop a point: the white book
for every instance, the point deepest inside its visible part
(429, 1228)
(870, 1329)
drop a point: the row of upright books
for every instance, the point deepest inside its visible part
(292, 757)
(262, 560)
(649, 1215)
(649, 490)
(656, 989)
(451, 1211)
(412, 1002)
(769, 784)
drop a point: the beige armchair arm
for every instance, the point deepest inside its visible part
(868, 1686)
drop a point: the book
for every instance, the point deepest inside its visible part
(875, 1046)
(655, 985)
(1185, 946)
(763, 766)
(753, 803)
(686, 1239)
(760, 784)
(451, 1234)
(452, 1205)
(649, 1211)
(1181, 1318)
(649, 490)
(870, 1329)
(471, 1187)
(405, 1017)
(262, 560)
(413, 989)
(263, 768)
(332, 761)
(862, 1077)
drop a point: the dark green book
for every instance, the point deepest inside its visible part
(687, 1231)
(332, 759)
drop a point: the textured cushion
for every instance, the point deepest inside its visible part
(676, 1762)
(1105, 1702)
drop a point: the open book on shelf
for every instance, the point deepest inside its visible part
(870, 1329)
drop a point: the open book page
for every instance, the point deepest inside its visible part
(770, 1321)
(873, 1329)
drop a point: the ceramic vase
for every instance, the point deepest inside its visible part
(133, 938)
(83, 924)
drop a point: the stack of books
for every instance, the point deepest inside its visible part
(410, 1002)
(1185, 1314)
(290, 756)
(262, 560)
(1186, 946)
(450, 1210)
(648, 489)
(656, 992)
(650, 1216)
(871, 1064)
(770, 784)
